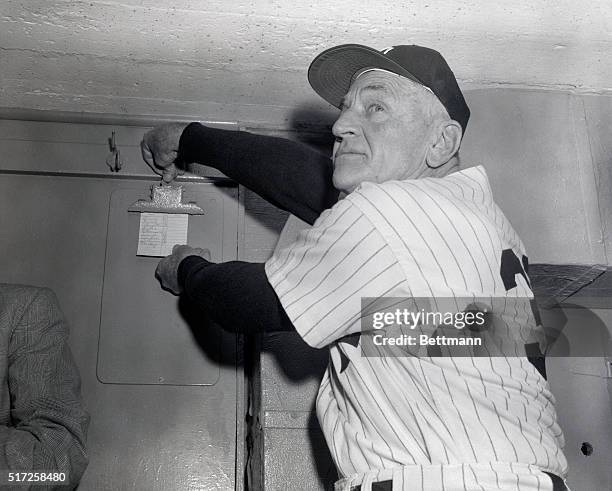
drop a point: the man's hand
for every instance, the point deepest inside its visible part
(160, 147)
(167, 269)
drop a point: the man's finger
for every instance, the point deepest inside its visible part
(169, 174)
(147, 155)
(158, 270)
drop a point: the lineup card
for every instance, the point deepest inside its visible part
(159, 232)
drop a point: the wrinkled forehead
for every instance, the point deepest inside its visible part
(387, 83)
(402, 80)
(401, 90)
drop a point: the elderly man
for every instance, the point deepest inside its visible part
(409, 225)
(43, 425)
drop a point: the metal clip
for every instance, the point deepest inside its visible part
(166, 199)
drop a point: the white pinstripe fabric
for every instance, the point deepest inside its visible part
(420, 238)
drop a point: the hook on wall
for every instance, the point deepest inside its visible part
(113, 159)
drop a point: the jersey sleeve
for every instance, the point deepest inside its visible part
(322, 277)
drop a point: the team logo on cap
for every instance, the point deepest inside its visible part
(386, 50)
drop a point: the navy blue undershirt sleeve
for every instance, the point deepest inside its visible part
(290, 175)
(235, 294)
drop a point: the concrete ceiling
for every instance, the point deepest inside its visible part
(247, 60)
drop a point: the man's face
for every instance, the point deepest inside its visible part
(382, 131)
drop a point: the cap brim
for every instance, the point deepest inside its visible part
(330, 74)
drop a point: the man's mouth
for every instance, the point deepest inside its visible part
(347, 154)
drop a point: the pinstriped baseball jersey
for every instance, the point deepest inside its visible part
(434, 423)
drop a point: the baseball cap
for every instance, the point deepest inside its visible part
(330, 74)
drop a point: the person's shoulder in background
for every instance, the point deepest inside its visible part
(16, 299)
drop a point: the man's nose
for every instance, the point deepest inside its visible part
(345, 125)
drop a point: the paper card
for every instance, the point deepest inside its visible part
(159, 232)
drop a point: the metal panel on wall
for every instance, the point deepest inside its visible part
(142, 339)
(144, 436)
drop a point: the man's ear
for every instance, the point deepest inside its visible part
(447, 139)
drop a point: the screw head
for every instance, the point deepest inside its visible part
(586, 448)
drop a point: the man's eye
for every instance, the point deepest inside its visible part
(374, 108)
